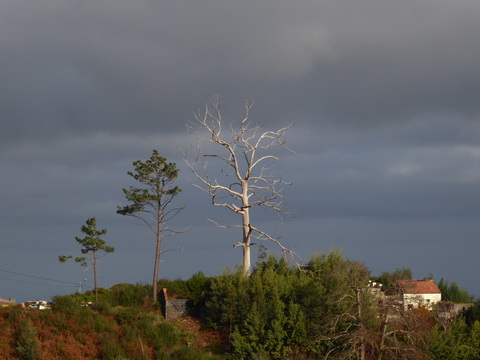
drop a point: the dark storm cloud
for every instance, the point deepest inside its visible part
(68, 66)
(383, 97)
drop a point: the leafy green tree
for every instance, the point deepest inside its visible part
(273, 326)
(91, 244)
(459, 342)
(348, 316)
(324, 310)
(454, 293)
(472, 313)
(389, 279)
(226, 301)
(152, 202)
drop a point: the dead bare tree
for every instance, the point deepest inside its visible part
(349, 329)
(404, 331)
(246, 158)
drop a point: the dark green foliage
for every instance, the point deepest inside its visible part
(69, 304)
(14, 314)
(192, 289)
(256, 311)
(157, 175)
(285, 313)
(127, 316)
(111, 348)
(459, 342)
(177, 288)
(128, 295)
(226, 300)
(196, 286)
(454, 293)
(26, 343)
(162, 355)
(189, 353)
(105, 308)
(388, 279)
(162, 335)
(91, 243)
(472, 314)
(342, 313)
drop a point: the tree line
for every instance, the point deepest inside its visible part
(325, 310)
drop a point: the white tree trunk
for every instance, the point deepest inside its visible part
(246, 226)
(246, 242)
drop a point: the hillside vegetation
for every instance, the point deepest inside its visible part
(322, 311)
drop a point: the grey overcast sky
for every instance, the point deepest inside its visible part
(384, 97)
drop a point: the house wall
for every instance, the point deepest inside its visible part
(417, 300)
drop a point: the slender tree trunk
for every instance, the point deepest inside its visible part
(157, 260)
(361, 355)
(95, 276)
(383, 331)
(246, 231)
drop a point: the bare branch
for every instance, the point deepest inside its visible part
(244, 163)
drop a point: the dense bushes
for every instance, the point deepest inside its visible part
(323, 310)
(121, 326)
(458, 342)
(285, 313)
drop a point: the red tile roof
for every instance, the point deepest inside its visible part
(418, 286)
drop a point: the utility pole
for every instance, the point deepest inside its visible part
(80, 285)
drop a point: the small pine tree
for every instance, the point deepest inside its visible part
(91, 244)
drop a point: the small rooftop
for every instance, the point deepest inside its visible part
(418, 286)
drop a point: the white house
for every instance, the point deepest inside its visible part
(416, 293)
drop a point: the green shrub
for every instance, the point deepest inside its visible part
(104, 307)
(84, 316)
(111, 349)
(161, 355)
(26, 343)
(128, 295)
(197, 286)
(14, 315)
(176, 288)
(189, 353)
(163, 335)
(127, 316)
(68, 304)
(58, 321)
(146, 321)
